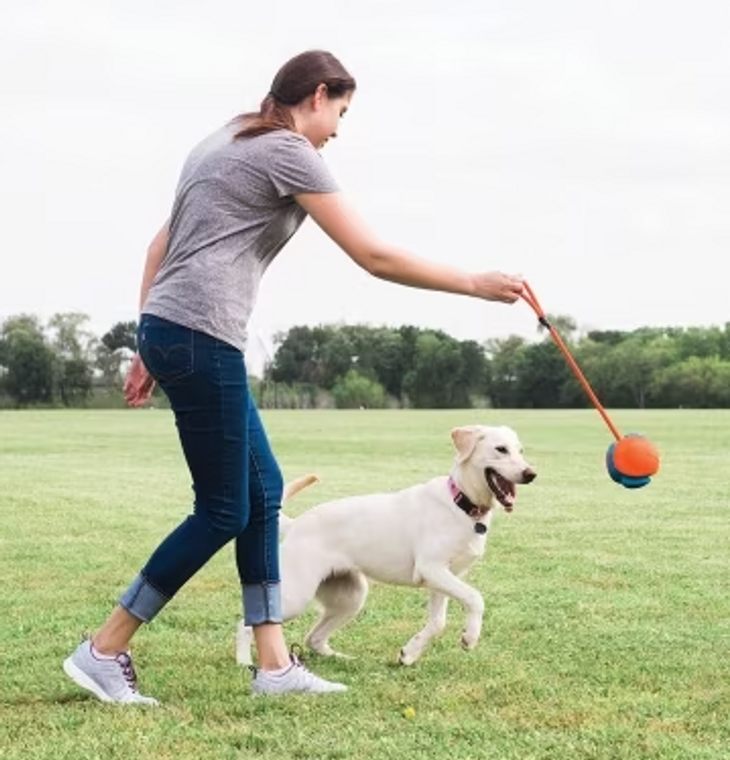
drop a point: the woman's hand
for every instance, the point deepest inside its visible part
(497, 286)
(138, 384)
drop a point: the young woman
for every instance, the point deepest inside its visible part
(242, 194)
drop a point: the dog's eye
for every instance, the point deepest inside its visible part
(502, 449)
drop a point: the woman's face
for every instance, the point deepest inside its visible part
(323, 117)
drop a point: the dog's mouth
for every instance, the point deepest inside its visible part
(503, 489)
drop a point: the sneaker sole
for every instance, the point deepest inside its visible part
(259, 692)
(79, 677)
(275, 694)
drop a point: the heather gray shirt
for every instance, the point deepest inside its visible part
(233, 212)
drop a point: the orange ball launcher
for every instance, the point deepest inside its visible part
(631, 460)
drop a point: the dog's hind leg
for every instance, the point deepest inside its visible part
(342, 596)
(437, 606)
(298, 586)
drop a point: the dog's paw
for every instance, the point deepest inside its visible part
(325, 650)
(469, 640)
(407, 658)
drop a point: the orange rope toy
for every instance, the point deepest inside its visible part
(631, 460)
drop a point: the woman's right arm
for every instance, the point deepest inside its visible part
(341, 223)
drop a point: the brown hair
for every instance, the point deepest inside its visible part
(296, 80)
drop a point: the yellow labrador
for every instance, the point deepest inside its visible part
(428, 535)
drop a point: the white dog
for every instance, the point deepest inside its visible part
(428, 535)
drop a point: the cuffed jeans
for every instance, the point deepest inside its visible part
(237, 482)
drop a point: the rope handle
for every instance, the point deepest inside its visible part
(528, 295)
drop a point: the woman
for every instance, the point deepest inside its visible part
(242, 194)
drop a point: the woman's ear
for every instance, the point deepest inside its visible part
(320, 96)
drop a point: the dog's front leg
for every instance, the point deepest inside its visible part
(437, 604)
(437, 577)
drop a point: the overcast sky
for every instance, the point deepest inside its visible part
(585, 144)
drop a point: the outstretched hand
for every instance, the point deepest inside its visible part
(138, 384)
(497, 286)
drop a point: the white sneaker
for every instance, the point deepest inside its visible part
(294, 679)
(108, 679)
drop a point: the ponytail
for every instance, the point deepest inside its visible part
(272, 115)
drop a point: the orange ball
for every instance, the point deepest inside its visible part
(636, 456)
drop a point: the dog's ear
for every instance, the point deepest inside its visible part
(465, 440)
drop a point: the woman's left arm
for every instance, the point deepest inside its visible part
(139, 384)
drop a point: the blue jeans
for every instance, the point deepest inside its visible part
(237, 482)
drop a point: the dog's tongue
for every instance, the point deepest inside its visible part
(508, 493)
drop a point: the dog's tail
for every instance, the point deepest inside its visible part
(292, 489)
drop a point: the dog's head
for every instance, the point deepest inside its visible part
(489, 464)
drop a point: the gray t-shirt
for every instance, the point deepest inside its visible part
(233, 212)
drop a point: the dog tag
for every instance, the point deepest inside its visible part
(480, 527)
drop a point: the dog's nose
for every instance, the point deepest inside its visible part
(528, 475)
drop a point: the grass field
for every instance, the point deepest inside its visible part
(607, 630)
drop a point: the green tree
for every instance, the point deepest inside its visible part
(113, 353)
(110, 365)
(355, 391)
(28, 361)
(296, 356)
(606, 337)
(697, 382)
(474, 375)
(636, 363)
(74, 382)
(70, 336)
(433, 382)
(542, 375)
(74, 348)
(121, 335)
(337, 354)
(505, 357)
(594, 360)
(389, 360)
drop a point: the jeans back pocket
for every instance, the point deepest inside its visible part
(166, 349)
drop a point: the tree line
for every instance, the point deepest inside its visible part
(62, 363)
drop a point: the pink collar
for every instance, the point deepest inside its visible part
(464, 503)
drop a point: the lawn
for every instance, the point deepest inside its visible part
(607, 628)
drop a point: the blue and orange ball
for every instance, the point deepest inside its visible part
(632, 461)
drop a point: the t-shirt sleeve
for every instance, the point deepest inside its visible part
(296, 167)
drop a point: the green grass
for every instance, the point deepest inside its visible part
(607, 629)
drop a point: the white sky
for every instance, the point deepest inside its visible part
(585, 144)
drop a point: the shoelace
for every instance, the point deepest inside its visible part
(125, 662)
(295, 655)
